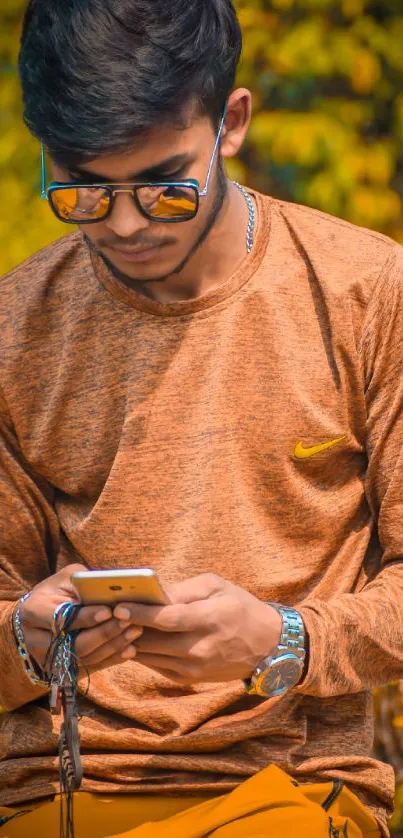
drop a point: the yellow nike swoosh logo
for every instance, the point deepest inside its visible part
(302, 453)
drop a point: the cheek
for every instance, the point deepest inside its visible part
(191, 229)
(185, 233)
(93, 232)
(198, 224)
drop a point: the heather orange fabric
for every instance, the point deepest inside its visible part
(268, 804)
(140, 433)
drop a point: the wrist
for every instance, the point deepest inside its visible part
(31, 667)
(270, 636)
(284, 667)
(306, 660)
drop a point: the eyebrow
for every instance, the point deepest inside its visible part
(147, 174)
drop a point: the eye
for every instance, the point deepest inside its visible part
(173, 176)
(80, 180)
(75, 177)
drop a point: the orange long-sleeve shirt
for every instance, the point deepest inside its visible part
(167, 435)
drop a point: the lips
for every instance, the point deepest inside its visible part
(134, 251)
(136, 254)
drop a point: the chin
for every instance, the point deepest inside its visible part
(155, 269)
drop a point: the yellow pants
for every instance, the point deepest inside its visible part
(268, 805)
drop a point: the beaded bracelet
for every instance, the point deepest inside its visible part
(29, 665)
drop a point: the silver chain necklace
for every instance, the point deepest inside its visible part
(250, 233)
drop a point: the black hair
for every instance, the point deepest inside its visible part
(97, 74)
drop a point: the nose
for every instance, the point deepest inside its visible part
(125, 219)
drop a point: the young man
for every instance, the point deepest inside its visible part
(208, 382)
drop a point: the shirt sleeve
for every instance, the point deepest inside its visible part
(356, 640)
(29, 539)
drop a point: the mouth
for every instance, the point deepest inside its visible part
(136, 254)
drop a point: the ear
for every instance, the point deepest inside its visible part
(239, 113)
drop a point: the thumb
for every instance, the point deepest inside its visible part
(65, 582)
(196, 589)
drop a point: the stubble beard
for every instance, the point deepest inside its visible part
(212, 218)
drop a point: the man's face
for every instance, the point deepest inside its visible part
(134, 246)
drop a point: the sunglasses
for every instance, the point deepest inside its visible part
(168, 202)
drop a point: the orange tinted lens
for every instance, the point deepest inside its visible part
(168, 202)
(80, 203)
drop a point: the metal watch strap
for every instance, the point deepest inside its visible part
(291, 647)
(292, 632)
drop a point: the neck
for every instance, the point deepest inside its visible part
(213, 262)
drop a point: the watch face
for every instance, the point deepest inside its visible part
(284, 673)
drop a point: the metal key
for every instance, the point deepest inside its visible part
(55, 700)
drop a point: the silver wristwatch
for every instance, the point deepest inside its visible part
(283, 670)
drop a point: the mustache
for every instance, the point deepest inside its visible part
(139, 241)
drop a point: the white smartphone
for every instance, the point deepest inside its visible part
(110, 587)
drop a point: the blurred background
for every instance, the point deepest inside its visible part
(327, 80)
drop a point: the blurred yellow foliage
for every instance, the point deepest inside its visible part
(327, 82)
(328, 86)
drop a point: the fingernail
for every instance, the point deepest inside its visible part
(102, 616)
(133, 633)
(122, 613)
(124, 624)
(130, 652)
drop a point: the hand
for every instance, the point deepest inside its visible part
(102, 641)
(213, 631)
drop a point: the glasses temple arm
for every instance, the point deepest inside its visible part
(201, 194)
(205, 190)
(43, 172)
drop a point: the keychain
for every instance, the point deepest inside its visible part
(61, 665)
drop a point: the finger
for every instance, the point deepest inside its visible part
(42, 617)
(169, 618)
(66, 572)
(114, 660)
(90, 640)
(195, 589)
(64, 582)
(92, 615)
(176, 645)
(119, 647)
(179, 666)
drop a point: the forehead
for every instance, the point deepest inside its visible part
(152, 149)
